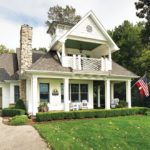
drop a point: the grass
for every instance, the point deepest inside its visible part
(123, 133)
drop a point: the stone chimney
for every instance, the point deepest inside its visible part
(24, 56)
(25, 48)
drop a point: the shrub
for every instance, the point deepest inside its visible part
(48, 116)
(43, 107)
(19, 120)
(8, 112)
(122, 104)
(20, 105)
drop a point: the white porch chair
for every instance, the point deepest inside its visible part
(84, 104)
(74, 106)
(114, 102)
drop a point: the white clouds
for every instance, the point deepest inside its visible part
(40, 37)
(9, 33)
(111, 12)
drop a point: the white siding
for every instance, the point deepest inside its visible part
(7, 94)
(55, 101)
(82, 32)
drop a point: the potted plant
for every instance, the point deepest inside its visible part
(43, 107)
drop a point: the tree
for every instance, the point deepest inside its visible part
(62, 15)
(143, 7)
(144, 61)
(143, 11)
(4, 49)
(128, 37)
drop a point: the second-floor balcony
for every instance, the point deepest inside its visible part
(76, 62)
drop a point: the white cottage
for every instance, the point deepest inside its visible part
(78, 63)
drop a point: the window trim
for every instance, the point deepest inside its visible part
(79, 91)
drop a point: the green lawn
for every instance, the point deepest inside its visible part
(123, 133)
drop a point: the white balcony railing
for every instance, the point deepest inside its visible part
(87, 64)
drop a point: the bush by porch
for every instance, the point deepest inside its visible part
(49, 116)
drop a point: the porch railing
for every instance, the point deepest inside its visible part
(87, 64)
(90, 64)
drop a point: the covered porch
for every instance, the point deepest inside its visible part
(61, 91)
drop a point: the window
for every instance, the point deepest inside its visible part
(79, 92)
(74, 92)
(44, 92)
(83, 92)
(16, 93)
(62, 92)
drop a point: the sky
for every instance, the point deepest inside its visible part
(14, 13)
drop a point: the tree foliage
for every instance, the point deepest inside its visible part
(143, 7)
(63, 15)
(143, 11)
(128, 38)
(4, 49)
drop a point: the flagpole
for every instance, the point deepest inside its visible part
(135, 83)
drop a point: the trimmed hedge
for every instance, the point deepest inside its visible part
(49, 116)
(9, 112)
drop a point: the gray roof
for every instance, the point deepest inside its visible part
(48, 62)
(9, 65)
(121, 71)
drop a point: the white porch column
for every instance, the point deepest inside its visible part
(109, 64)
(66, 94)
(99, 99)
(12, 101)
(63, 48)
(79, 62)
(128, 93)
(102, 64)
(29, 96)
(107, 94)
(111, 91)
(63, 52)
(34, 86)
(74, 61)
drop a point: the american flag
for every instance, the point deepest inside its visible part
(143, 86)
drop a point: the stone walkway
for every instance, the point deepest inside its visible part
(20, 138)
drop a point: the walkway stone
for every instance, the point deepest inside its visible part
(20, 138)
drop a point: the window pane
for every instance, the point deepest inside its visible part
(84, 92)
(44, 87)
(74, 92)
(16, 93)
(84, 96)
(74, 97)
(83, 88)
(44, 92)
(74, 88)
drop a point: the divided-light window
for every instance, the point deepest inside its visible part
(78, 92)
(44, 92)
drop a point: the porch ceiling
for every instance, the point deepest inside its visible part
(81, 45)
